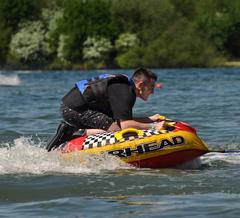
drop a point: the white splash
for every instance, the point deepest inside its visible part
(28, 71)
(227, 158)
(12, 80)
(25, 157)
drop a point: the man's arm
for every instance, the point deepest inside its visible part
(153, 118)
(141, 125)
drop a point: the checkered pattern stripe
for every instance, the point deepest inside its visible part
(99, 140)
(150, 132)
(102, 139)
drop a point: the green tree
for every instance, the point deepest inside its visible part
(11, 14)
(219, 19)
(145, 18)
(96, 51)
(5, 35)
(82, 19)
(189, 48)
(154, 33)
(185, 8)
(127, 46)
(232, 42)
(29, 45)
(14, 11)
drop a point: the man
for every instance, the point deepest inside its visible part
(105, 103)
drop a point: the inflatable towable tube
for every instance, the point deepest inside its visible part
(175, 145)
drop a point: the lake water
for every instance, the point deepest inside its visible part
(35, 183)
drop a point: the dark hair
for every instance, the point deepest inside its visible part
(144, 72)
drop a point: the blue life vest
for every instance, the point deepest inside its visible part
(82, 84)
(94, 90)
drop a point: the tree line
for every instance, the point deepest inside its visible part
(87, 34)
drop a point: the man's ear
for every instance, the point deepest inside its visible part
(140, 87)
(140, 84)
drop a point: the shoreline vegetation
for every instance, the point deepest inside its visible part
(226, 64)
(113, 34)
(231, 64)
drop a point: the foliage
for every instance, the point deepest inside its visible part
(126, 41)
(11, 14)
(50, 18)
(188, 49)
(127, 45)
(96, 48)
(29, 44)
(83, 19)
(5, 35)
(130, 59)
(113, 33)
(219, 19)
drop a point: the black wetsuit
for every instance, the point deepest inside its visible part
(99, 102)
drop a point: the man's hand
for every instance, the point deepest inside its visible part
(154, 117)
(160, 125)
(157, 117)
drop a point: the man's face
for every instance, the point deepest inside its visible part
(145, 88)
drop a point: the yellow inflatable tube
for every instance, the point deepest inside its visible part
(143, 148)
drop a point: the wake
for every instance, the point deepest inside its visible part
(25, 157)
(9, 80)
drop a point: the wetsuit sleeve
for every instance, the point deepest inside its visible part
(121, 98)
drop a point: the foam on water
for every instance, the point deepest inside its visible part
(12, 80)
(212, 159)
(25, 157)
(28, 157)
(27, 71)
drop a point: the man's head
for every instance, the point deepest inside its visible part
(144, 81)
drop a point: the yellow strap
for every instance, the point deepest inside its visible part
(119, 135)
(162, 117)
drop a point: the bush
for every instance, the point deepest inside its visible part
(130, 59)
(189, 48)
(96, 51)
(29, 44)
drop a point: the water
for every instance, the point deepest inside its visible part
(35, 183)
